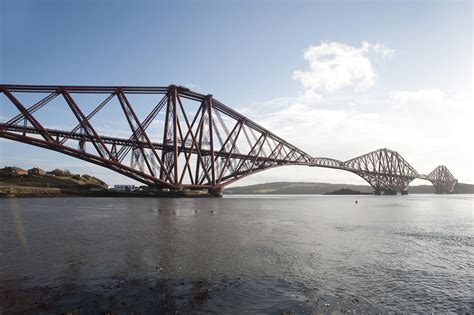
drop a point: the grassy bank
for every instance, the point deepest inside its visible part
(49, 186)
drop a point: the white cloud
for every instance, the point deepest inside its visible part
(432, 105)
(325, 132)
(434, 96)
(382, 52)
(334, 66)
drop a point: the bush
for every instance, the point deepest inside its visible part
(76, 176)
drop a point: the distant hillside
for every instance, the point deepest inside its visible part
(70, 181)
(301, 188)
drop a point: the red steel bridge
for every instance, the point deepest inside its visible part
(175, 138)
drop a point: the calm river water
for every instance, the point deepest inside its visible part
(266, 254)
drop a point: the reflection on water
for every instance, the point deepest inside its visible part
(18, 224)
(267, 254)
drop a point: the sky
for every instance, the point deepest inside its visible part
(335, 78)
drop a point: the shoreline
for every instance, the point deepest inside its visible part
(44, 192)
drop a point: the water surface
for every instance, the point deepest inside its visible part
(269, 254)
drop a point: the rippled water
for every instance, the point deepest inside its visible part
(240, 253)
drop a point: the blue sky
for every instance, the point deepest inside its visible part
(246, 54)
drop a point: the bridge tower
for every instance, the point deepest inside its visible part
(442, 180)
(385, 170)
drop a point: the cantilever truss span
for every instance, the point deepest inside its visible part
(172, 137)
(388, 172)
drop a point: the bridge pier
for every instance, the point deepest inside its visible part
(404, 192)
(216, 192)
